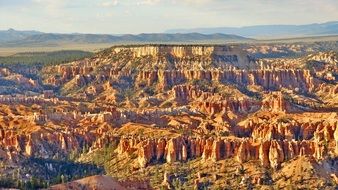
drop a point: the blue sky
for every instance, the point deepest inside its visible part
(152, 16)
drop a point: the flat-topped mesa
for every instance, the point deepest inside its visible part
(180, 51)
(169, 65)
(181, 56)
(162, 56)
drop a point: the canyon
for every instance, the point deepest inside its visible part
(158, 106)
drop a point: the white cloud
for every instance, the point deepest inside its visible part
(148, 2)
(195, 2)
(51, 3)
(111, 3)
(51, 8)
(104, 15)
(134, 16)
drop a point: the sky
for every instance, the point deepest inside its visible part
(155, 16)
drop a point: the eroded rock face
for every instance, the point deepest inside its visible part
(268, 79)
(336, 138)
(221, 53)
(166, 104)
(167, 66)
(174, 150)
(146, 152)
(212, 103)
(271, 153)
(43, 144)
(275, 102)
(319, 131)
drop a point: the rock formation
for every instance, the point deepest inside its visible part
(155, 104)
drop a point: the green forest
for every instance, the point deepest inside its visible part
(43, 58)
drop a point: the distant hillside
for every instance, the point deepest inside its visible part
(270, 31)
(42, 58)
(14, 38)
(11, 35)
(49, 38)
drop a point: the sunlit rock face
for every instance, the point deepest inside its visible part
(271, 153)
(155, 104)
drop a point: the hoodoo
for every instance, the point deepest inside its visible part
(175, 109)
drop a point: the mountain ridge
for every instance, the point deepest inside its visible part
(270, 31)
(11, 34)
(50, 38)
(13, 38)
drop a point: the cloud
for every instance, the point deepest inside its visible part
(199, 1)
(50, 5)
(104, 15)
(196, 2)
(111, 3)
(148, 2)
(134, 16)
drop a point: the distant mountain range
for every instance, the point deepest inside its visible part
(22, 38)
(12, 35)
(270, 31)
(14, 38)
